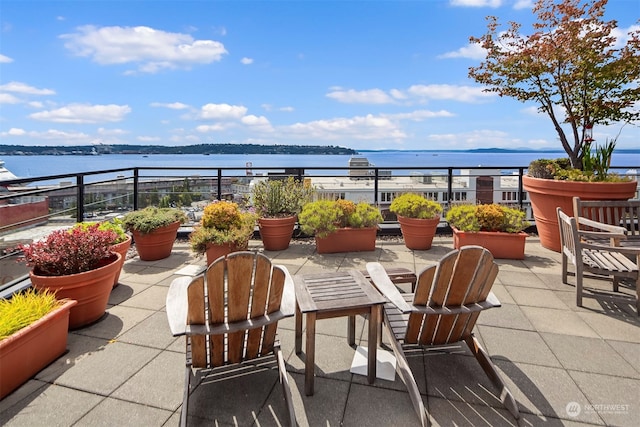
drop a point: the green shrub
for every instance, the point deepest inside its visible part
(323, 217)
(222, 222)
(275, 198)
(411, 205)
(150, 218)
(486, 217)
(23, 309)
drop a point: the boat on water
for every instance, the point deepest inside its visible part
(5, 174)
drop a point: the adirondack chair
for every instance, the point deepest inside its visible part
(579, 248)
(444, 309)
(229, 315)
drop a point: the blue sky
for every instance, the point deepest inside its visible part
(360, 74)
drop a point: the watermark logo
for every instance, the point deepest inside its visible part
(573, 409)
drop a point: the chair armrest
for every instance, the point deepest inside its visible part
(626, 250)
(607, 228)
(177, 305)
(288, 302)
(382, 282)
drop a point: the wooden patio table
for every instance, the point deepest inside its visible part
(336, 294)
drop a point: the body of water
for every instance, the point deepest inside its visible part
(37, 166)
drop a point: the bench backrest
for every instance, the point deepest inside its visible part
(622, 213)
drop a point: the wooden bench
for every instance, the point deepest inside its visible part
(398, 275)
(616, 213)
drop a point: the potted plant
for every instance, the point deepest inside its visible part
(496, 227)
(277, 203)
(121, 244)
(224, 228)
(418, 217)
(33, 333)
(154, 230)
(341, 225)
(77, 264)
(574, 92)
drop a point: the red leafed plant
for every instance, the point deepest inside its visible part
(70, 251)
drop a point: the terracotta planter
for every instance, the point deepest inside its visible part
(547, 194)
(158, 244)
(418, 233)
(26, 352)
(121, 248)
(348, 240)
(91, 289)
(501, 245)
(276, 232)
(213, 251)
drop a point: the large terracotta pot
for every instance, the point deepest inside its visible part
(158, 244)
(348, 240)
(91, 289)
(213, 251)
(547, 194)
(418, 233)
(26, 352)
(276, 232)
(501, 245)
(122, 248)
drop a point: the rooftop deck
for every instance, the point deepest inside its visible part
(127, 369)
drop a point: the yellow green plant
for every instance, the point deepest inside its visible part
(323, 217)
(222, 222)
(411, 205)
(486, 217)
(24, 308)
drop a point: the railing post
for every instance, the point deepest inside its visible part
(136, 182)
(375, 186)
(219, 184)
(80, 198)
(449, 186)
(521, 187)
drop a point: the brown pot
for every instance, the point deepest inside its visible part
(501, 245)
(276, 232)
(91, 289)
(27, 351)
(214, 251)
(418, 233)
(348, 240)
(157, 244)
(547, 194)
(122, 248)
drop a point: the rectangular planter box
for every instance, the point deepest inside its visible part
(501, 245)
(348, 240)
(25, 353)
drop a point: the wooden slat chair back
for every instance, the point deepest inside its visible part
(595, 257)
(619, 213)
(444, 309)
(230, 314)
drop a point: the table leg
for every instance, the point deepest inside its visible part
(351, 330)
(298, 329)
(309, 366)
(374, 327)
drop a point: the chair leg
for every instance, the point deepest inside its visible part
(184, 412)
(286, 388)
(408, 379)
(564, 268)
(489, 368)
(579, 279)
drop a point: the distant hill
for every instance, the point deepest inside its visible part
(161, 149)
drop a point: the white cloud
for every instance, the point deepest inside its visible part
(351, 96)
(451, 92)
(7, 98)
(419, 115)
(218, 127)
(222, 112)
(476, 138)
(19, 87)
(471, 51)
(153, 50)
(15, 132)
(368, 127)
(148, 138)
(260, 123)
(476, 3)
(286, 109)
(246, 61)
(172, 106)
(110, 132)
(5, 59)
(62, 137)
(84, 113)
(523, 4)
